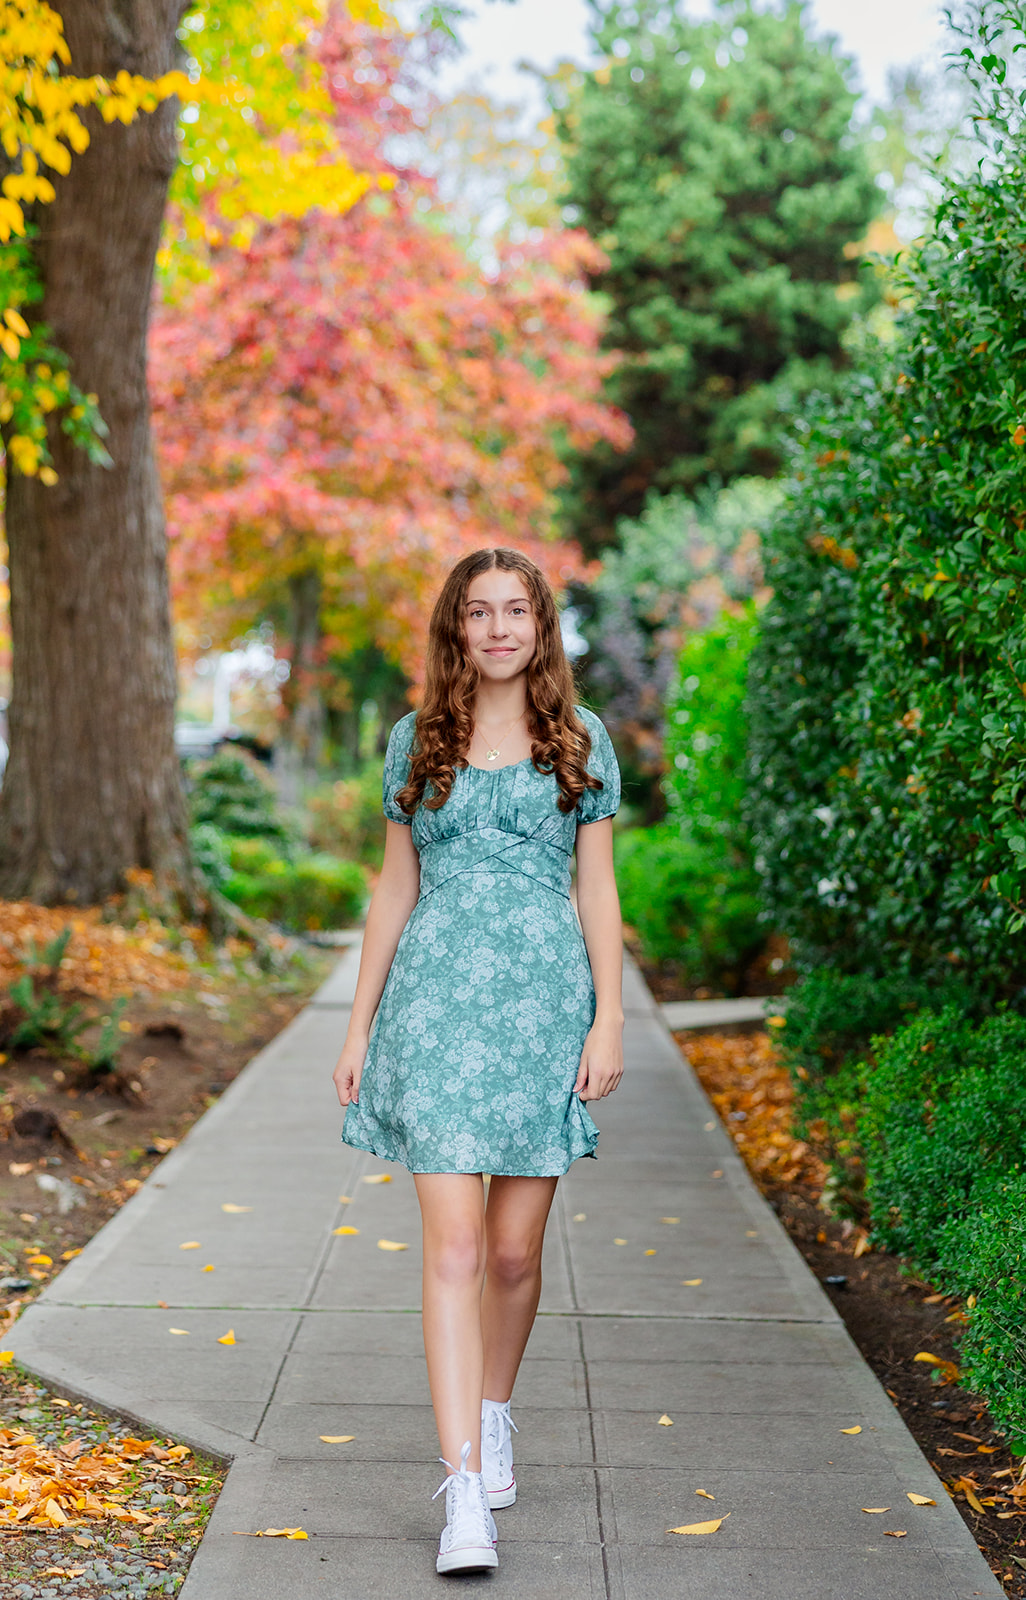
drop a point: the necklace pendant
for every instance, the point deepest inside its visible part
(491, 755)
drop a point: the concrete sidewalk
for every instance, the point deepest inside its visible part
(712, 1319)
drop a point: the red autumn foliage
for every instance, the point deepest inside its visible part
(350, 397)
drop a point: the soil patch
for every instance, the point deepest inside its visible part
(891, 1315)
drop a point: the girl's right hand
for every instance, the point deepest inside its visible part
(346, 1076)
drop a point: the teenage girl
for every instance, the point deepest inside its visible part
(499, 1008)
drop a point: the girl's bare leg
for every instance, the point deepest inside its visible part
(452, 1210)
(518, 1210)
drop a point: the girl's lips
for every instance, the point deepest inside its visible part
(502, 650)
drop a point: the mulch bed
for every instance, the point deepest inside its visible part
(891, 1316)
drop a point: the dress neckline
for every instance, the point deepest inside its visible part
(506, 767)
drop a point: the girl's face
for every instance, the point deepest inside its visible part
(499, 625)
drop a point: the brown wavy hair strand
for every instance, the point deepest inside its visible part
(444, 727)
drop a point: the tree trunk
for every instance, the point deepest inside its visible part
(93, 786)
(300, 747)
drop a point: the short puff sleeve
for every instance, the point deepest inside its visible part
(595, 804)
(397, 768)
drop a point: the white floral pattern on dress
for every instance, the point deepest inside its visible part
(478, 1038)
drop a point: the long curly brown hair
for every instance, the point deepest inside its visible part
(444, 727)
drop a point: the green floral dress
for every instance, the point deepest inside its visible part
(478, 1037)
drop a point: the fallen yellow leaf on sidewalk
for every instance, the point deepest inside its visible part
(337, 1438)
(582, 1216)
(271, 1533)
(346, 1230)
(856, 1429)
(209, 1267)
(705, 1494)
(690, 1283)
(895, 1533)
(390, 1244)
(669, 1219)
(377, 1177)
(229, 1207)
(665, 1421)
(619, 1241)
(345, 1199)
(875, 1511)
(178, 1330)
(227, 1338)
(702, 1527)
(190, 1244)
(650, 1252)
(920, 1499)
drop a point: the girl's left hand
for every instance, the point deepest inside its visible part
(601, 1061)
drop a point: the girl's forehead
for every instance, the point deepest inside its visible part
(497, 588)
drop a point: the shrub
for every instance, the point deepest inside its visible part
(943, 1112)
(314, 892)
(210, 852)
(230, 793)
(982, 1258)
(344, 818)
(689, 901)
(888, 745)
(688, 886)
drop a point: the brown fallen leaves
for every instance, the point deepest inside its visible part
(72, 1486)
(103, 959)
(742, 1075)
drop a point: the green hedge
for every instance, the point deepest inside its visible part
(690, 901)
(313, 892)
(688, 886)
(943, 1129)
(982, 1258)
(888, 718)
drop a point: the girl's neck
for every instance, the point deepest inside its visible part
(500, 702)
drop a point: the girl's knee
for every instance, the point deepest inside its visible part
(512, 1262)
(457, 1256)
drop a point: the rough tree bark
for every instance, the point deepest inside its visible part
(93, 787)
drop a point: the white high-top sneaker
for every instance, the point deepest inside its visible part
(468, 1538)
(497, 1453)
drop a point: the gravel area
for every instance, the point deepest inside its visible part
(92, 1559)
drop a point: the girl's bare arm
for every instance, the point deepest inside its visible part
(390, 907)
(598, 906)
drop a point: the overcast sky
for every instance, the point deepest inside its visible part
(878, 33)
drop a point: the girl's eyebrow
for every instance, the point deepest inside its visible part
(522, 601)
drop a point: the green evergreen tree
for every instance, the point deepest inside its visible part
(715, 164)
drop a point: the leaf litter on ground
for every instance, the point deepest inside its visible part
(78, 1486)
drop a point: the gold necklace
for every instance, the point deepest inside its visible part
(493, 755)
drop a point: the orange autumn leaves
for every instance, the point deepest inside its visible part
(72, 1485)
(351, 399)
(102, 960)
(742, 1075)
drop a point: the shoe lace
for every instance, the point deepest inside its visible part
(497, 1428)
(462, 1514)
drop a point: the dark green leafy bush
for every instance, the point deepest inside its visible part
(943, 1111)
(981, 1257)
(888, 742)
(832, 1018)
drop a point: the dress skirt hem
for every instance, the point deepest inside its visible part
(493, 1172)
